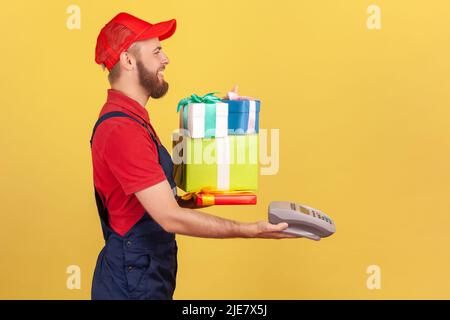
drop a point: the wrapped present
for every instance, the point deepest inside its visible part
(210, 198)
(203, 117)
(225, 199)
(226, 163)
(243, 116)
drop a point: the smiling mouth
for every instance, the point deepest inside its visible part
(161, 74)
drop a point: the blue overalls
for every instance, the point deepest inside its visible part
(142, 264)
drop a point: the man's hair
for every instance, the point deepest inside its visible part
(114, 73)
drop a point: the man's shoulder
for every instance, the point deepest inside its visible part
(122, 136)
(124, 127)
(118, 117)
(121, 128)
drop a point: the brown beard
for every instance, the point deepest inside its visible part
(154, 87)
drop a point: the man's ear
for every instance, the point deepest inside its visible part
(127, 61)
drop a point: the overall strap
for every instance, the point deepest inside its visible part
(114, 114)
(119, 114)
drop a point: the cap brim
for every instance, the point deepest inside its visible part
(161, 30)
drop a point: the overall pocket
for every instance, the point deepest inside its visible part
(159, 280)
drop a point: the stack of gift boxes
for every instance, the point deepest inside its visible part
(215, 151)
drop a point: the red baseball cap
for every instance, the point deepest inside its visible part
(123, 30)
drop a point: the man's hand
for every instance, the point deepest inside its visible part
(233, 95)
(266, 230)
(191, 203)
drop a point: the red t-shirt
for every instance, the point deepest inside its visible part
(125, 160)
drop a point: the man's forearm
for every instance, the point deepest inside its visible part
(159, 202)
(198, 224)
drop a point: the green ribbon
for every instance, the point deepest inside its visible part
(207, 98)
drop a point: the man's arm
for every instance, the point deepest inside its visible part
(159, 202)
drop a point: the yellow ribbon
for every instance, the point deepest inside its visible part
(208, 200)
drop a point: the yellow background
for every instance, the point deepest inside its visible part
(364, 136)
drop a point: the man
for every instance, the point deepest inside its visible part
(136, 196)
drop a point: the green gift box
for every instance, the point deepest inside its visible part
(203, 117)
(225, 163)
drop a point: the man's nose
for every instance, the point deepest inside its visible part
(165, 59)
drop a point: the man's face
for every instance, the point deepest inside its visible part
(151, 62)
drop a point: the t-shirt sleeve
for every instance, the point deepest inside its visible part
(132, 157)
